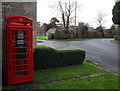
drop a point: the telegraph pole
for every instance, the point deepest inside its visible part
(75, 16)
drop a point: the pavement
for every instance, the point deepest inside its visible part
(101, 52)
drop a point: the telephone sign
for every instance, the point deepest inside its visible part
(19, 49)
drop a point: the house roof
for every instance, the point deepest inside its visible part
(51, 30)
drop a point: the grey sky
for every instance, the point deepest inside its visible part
(87, 12)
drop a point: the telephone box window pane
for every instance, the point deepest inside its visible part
(21, 50)
(20, 38)
(20, 62)
(21, 73)
(17, 32)
(21, 68)
(20, 44)
(20, 56)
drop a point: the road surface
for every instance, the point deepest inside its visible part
(102, 52)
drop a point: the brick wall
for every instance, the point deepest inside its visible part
(97, 34)
(107, 35)
(91, 34)
(88, 34)
(70, 35)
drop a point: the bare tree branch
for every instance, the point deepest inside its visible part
(66, 9)
(100, 18)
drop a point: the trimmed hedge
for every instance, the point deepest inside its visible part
(46, 57)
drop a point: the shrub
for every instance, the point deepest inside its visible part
(57, 34)
(50, 36)
(46, 57)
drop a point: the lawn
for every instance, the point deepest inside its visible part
(75, 39)
(101, 81)
(104, 81)
(45, 76)
(42, 37)
(39, 41)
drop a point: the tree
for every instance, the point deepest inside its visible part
(66, 9)
(52, 23)
(100, 29)
(116, 18)
(84, 28)
(57, 34)
(116, 13)
(100, 18)
(112, 30)
(100, 21)
(54, 20)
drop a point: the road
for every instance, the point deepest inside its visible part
(102, 52)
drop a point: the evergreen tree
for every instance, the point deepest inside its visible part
(116, 13)
(100, 29)
(116, 18)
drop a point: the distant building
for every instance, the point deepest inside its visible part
(90, 28)
(50, 31)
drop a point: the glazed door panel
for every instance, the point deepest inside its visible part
(21, 56)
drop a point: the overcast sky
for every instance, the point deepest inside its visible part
(87, 13)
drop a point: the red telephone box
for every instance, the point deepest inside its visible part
(19, 49)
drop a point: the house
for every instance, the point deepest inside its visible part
(50, 31)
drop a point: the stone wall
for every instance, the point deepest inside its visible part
(27, 9)
(0, 46)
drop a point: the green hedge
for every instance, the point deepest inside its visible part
(46, 57)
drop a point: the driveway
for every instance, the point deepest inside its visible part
(102, 52)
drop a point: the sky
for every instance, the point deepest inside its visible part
(87, 12)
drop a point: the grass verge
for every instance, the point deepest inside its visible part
(39, 41)
(75, 39)
(104, 81)
(45, 76)
(43, 38)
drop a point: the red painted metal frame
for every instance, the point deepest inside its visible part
(18, 70)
